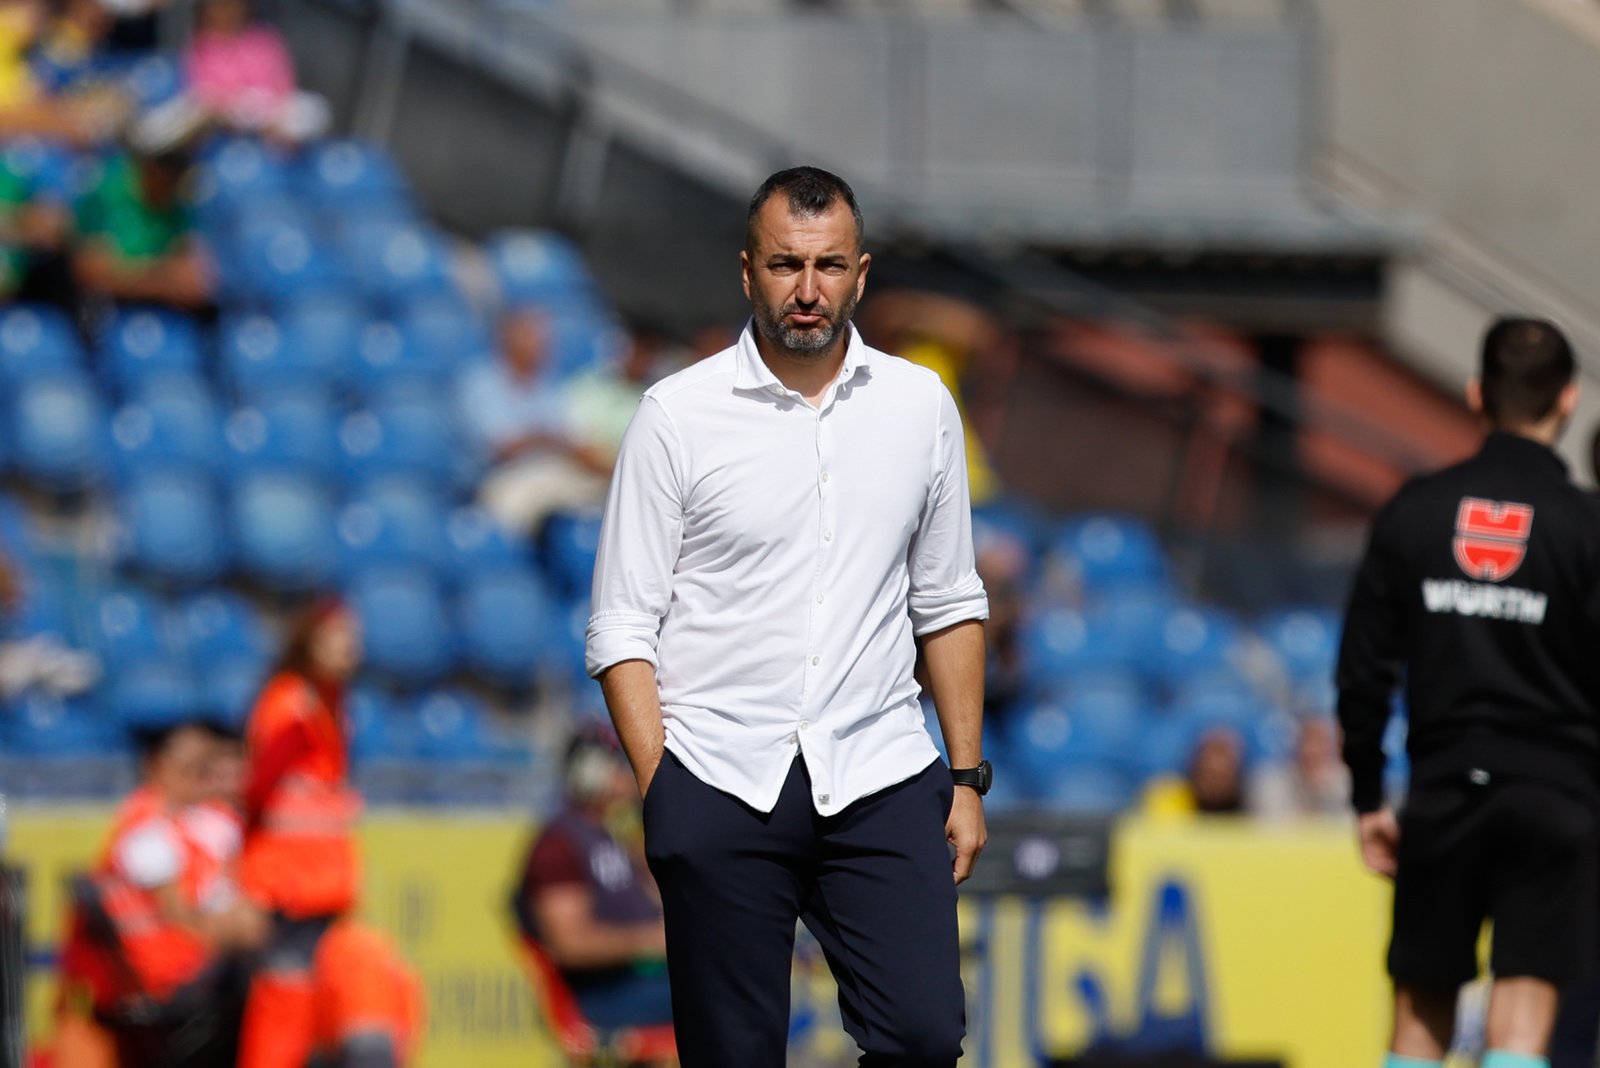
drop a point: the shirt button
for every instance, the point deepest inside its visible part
(819, 598)
(827, 535)
(824, 476)
(804, 724)
(816, 660)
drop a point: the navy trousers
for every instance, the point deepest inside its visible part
(872, 883)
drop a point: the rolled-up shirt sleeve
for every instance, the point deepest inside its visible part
(945, 588)
(639, 542)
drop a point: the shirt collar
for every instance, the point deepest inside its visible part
(752, 372)
(1501, 444)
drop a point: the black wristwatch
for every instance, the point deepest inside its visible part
(979, 778)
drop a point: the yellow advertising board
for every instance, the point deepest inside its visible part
(1250, 942)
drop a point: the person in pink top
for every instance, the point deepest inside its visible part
(240, 71)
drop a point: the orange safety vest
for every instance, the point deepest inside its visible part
(299, 850)
(162, 955)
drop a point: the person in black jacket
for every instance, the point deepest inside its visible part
(1481, 589)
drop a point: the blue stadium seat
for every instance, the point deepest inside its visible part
(323, 332)
(153, 80)
(394, 521)
(1089, 790)
(538, 267)
(1191, 641)
(229, 686)
(353, 174)
(1019, 518)
(142, 343)
(1059, 643)
(18, 539)
(288, 433)
(1216, 697)
(505, 623)
(214, 624)
(568, 545)
(124, 626)
(452, 725)
(1108, 553)
(1165, 746)
(47, 608)
(477, 542)
(172, 527)
(170, 420)
(283, 529)
(284, 262)
(379, 728)
(52, 172)
(1306, 639)
(36, 339)
(441, 330)
(409, 432)
(59, 431)
(153, 693)
(240, 168)
(40, 725)
(581, 340)
(565, 655)
(393, 263)
(311, 345)
(406, 624)
(1047, 737)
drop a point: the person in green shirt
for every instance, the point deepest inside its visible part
(136, 236)
(34, 225)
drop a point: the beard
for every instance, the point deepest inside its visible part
(803, 342)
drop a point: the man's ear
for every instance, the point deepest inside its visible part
(744, 272)
(1567, 403)
(1475, 396)
(861, 279)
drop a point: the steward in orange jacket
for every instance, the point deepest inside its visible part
(299, 859)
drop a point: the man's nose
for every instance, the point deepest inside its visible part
(807, 292)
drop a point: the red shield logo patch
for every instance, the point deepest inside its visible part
(1491, 537)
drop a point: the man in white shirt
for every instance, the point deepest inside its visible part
(787, 521)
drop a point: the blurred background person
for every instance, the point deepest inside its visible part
(299, 860)
(136, 236)
(586, 899)
(540, 460)
(1212, 783)
(238, 69)
(158, 981)
(1313, 782)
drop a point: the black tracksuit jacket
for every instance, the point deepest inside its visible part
(1480, 590)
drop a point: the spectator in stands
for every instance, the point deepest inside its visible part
(1313, 783)
(586, 898)
(136, 236)
(541, 459)
(239, 70)
(1002, 560)
(35, 225)
(28, 105)
(1212, 784)
(71, 54)
(36, 661)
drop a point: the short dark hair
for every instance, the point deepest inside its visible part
(810, 191)
(1526, 364)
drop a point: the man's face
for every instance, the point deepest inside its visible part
(522, 343)
(803, 275)
(179, 769)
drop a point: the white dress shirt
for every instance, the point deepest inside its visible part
(773, 560)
